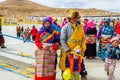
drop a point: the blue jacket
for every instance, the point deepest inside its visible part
(112, 52)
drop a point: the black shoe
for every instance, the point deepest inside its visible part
(3, 47)
(84, 77)
(83, 73)
(107, 73)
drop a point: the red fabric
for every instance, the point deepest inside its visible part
(34, 32)
(37, 42)
(118, 28)
(45, 77)
(2, 40)
(54, 47)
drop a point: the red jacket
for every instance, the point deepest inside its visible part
(40, 44)
(117, 29)
(34, 31)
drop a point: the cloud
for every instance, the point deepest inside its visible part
(2, 0)
(99, 4)
(62, 3)
(112, 5)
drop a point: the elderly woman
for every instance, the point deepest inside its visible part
(106, 32)
(47, 41)
(91, 33)
(72, 35)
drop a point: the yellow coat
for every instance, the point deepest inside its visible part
(77, 39)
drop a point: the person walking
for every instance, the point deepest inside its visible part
(34, 32)
(105, 33)
(91, 33)
(48, 42)
(112, 52)
(72, 35)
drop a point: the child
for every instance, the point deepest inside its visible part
(112, 52)
(75, 63)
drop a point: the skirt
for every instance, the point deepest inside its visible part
(45, 65)
(2, 40)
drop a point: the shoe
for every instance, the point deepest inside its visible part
(83, 77)
(87, 57)
(107, 73)
(3, 47)
(93, 57)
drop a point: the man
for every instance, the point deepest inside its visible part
(72, 35)
(34, 32)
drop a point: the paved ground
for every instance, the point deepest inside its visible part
(94, 67)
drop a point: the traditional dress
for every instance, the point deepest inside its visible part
(2, 41)
(46, 58)
(91, 33)
(71, 36)
(104, 35)
(110, 61)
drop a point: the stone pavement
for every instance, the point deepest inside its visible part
(94, 67)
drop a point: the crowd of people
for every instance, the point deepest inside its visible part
(76, 40)
(26, 33)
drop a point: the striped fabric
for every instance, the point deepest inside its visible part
(49, 37)
(45, 63)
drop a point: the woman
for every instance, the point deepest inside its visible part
(72, 35)
(47, 41)
(91, 33)
(2, 41)
(106, 32)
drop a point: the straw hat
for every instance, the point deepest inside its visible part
(74, 14)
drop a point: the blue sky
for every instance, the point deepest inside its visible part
(113, 5)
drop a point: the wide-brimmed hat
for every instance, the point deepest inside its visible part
(74, 14)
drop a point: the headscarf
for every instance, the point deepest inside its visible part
(46, 29)
(108, 21)
(90, 24)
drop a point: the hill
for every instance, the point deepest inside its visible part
(24, 8)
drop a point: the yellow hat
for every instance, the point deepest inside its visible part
(76, 51)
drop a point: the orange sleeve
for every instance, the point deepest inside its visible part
(71, 62)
